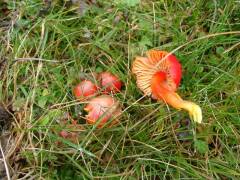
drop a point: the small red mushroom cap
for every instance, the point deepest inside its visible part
(84, 89)
(109, 82)
(63, 134)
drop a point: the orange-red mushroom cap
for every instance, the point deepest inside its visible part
(159, 74)
(156, 61)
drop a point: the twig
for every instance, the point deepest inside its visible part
(37, 59)
(4, 161)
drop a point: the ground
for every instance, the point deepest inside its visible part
(46, 47)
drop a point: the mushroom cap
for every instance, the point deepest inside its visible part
(109, 82)
(157, 61)
(84, 89)
(103, 108)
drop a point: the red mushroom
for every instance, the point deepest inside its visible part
(84, 89)
(109, 82)
(159, 74)
(102, 108)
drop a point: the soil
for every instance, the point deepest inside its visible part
(5, 122)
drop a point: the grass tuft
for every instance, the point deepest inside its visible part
(45, 48)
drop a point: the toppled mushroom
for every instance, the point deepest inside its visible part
(159, 74)
(102, 109)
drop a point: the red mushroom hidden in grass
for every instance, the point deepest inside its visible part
(102, 109)
(159, 74)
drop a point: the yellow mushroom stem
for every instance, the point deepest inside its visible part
(161, 90)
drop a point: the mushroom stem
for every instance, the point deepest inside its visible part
(161, 91)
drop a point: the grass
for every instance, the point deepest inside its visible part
(45, 50)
